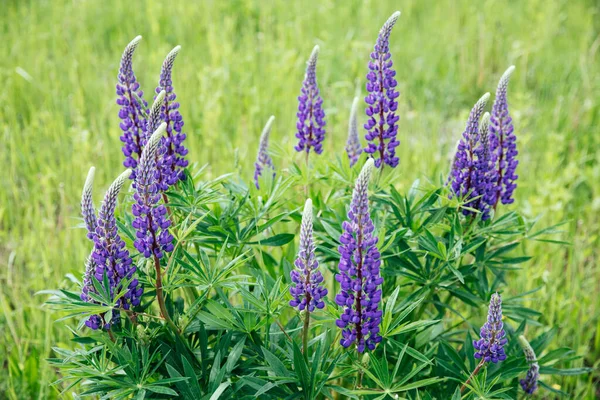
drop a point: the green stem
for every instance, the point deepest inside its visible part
(473, 374)
(160, 296)
(305, 333)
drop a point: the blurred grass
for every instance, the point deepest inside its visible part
(243, 61)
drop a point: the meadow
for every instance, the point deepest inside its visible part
(242, 61)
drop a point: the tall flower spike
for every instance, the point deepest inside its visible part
(307, 281)
(359, 275)
(173, 162)
(87, 204)
(530, 383)
(468, 178)
(381, 101)
(311, 118)
(353, 147)
(503, 144)
(150, 222)
(110, 256)
(263, 159)
(133, 106)
(490, 347)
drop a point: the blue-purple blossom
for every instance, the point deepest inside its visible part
(263, 159)
(353, 147)
(151, 222)
(173, 161)
(311, 118)
(469, 178)
(530, 383)
(359, 272)
(503, 143)
(87, 204)
(490, 347)
(307, 281)
(381, 101)
(133, 107)
(111, 258)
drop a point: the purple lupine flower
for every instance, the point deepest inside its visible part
(468, 179)
(111, 258)
(311, 118)
(530, 383)
(353, 147)
(173, 161)
(359, 276)
(503, 144)
(133, 107)
(490, 347)
(381, 101)
(263, 159)
(307, 281)
(87, 204)
(151, 223)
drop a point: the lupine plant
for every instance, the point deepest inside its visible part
(199, 288)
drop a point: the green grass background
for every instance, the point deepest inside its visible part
(242, 61)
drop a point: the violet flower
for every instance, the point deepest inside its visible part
(353, 147)
(307, 281)
(172, 162)
(111, 258)
(490, 347)
(263, 159)
(151, 223)
(469, 176)
(87, 204)
(133, 106)
(311, 118)
(503, 144)
(381, 101)
(530, 383)
(359, 275)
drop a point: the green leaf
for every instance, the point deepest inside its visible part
(277, 240)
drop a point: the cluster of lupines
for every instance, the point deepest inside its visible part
(110, 259)
(353, 147)
(490, 347)
(263, 159)
(311, 117)
(133, 109)
(530, 383)
(172, 162)
(151, 224)
(483, 170)
(381, 101)
(359, 272)
(307, 281)
(503, 143)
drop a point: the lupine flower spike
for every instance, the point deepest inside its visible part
(133, 106)
(359, 272)
(468, 178)
(89, 217)
(111, 258)
(530, 383)
(381, 101)
(152, 234)
(307, 281)
(87, 204)
(503, 144)
(153, 238)
(490, 347)
(311, 118)
(263, 159)
(173, 161)
(353, 147)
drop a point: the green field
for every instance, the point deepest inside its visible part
(242, 61)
